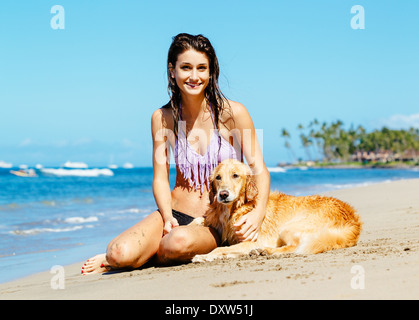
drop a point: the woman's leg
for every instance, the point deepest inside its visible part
(184, 242)
(132, 248)
(137, 245)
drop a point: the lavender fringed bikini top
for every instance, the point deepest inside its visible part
(196, 167)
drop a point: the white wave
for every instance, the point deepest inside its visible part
(133, 210)
(328, 186)
(75, 165)
(81, 219)
(5, 165)
(77, 172)
(42, 230)
(276, 169)
(128, 165)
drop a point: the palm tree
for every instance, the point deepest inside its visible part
(286, 135)
(305, 141)
(336, 143)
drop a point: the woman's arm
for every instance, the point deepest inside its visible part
(161, 166)
(248, 227)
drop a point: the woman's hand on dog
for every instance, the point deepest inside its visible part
(169, 225)
(247, 227)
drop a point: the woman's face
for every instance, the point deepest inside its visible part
(191, 72)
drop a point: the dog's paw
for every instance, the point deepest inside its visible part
(199, 258)
(258, 252)
(200, 221)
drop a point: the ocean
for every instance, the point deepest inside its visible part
(63, 216)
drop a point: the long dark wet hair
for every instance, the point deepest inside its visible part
(213, 95)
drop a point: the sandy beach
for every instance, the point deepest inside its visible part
(383, 265)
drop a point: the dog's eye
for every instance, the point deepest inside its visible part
(235, 175)
(218, 177)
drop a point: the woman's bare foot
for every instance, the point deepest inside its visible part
(97, 264)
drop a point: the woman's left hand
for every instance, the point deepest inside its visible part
(247, 227)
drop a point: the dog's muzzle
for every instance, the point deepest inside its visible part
(224, 196)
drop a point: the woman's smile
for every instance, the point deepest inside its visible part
(193, 85)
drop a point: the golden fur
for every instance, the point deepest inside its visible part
(309, 224)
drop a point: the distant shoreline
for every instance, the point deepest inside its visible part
(354, 165)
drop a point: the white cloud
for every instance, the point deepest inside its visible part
(60, 143)
(127, 143)
(26, 142)
(82, 142)
(400, 121)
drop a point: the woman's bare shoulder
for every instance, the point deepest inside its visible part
(162, 118)
(234, 105)
(238, 112)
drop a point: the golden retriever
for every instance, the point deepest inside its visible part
(305, 225)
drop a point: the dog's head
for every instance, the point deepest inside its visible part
(232, 182)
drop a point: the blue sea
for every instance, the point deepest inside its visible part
(61, 216)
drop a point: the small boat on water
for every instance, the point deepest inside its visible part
(24, 173)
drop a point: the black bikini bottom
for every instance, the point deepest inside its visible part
(182, 218)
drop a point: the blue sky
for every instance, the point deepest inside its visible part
(87, 92)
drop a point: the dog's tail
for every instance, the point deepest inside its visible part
(331, 237)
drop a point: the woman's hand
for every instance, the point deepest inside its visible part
(247, 227)
(169, 225)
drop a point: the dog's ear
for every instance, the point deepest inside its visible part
(212, 191)
(251, 189)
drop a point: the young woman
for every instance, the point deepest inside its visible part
(202, 128)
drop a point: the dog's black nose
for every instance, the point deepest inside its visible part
(224, 194)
